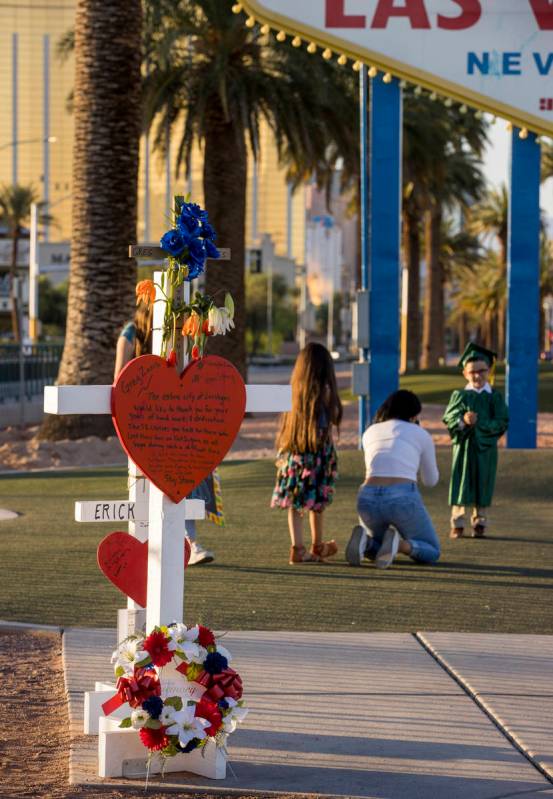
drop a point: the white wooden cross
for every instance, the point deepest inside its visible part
(120, 751)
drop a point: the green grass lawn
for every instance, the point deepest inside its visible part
(49, 574)
(435, 385)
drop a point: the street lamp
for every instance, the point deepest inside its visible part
(48, 139)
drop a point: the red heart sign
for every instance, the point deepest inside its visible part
(178, 428)
(124, 561)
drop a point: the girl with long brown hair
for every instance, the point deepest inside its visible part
(307, 462)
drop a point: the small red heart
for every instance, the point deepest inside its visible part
(124, 561)
(178, 428)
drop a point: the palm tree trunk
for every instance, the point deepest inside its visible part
(14, 291)
(433, 349)
(107, 116)
(411, 253)
(225, 173)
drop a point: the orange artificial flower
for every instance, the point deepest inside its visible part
(192, 325)
(145, 292)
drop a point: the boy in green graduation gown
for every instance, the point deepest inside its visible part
(476, 418)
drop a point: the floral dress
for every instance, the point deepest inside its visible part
(305, 480)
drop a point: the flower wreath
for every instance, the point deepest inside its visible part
(170, 726)
(188, 244)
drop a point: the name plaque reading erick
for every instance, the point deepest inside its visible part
(178, 427)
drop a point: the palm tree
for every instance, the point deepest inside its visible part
(15, 210)
(107, 110)
(456, 181)
(221, 78)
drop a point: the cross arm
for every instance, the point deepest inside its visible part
(63, 400)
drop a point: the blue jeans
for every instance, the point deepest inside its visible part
(399, 505)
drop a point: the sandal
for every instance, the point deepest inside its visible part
(300, 555)
(326, 549)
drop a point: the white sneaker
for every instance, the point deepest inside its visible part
(388, 549)
(199, 555)
(355, 549)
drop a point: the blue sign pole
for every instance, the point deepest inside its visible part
(384, 245)
(364, 211)
(523, 280)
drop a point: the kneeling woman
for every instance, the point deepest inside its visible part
(392, 513)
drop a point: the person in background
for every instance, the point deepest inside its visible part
(476, 418)
(136, 339)
(307, 462)
(391, 511)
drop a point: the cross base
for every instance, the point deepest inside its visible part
(122, 754)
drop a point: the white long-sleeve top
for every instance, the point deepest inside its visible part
(400, 449)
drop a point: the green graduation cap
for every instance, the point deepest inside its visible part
(474, 352)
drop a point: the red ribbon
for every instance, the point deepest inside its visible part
(227, 683)
(134, 689)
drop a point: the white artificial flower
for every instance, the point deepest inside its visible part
(139, 718)
(187, 726)
(184, 639)
(167, 715)
(236, 715)
(129, 654)
(199, 656)
(219, 320)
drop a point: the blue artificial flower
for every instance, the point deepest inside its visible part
(153, 705)
(215, 663)
(173, 242)
(188, 226)
(211, 250)
(193, 209)
(208, 231)
(223, 704)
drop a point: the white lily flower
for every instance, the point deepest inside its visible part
(199, 656)
(187, 726)
(235, 716)
(185, 639)
(139, 717)
(128, 655)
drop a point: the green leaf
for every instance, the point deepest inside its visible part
(153, 724)
(229, 305)
(126, 723)
(174, 701)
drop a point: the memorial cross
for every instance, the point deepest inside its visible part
(120, 751)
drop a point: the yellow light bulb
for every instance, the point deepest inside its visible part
(403, 84)
(327, 54)
(343, 60)
(448, 103)
(356, 66)
(311, 48)
(509, 126)
(250, 22)
(237, 8)
(523, 134)
(418, 91)
(433, 96)
(373, 72)
(296, 41)
(387, 78)
(281, 36)
(265, 29)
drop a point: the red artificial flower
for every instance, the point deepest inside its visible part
(172, 358)
(139, 686)
(208, 710)
(195, 352)
(205, 636)
(205, 326)
(156, 644)
(154, 739)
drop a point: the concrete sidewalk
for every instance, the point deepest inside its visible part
(383, 715)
